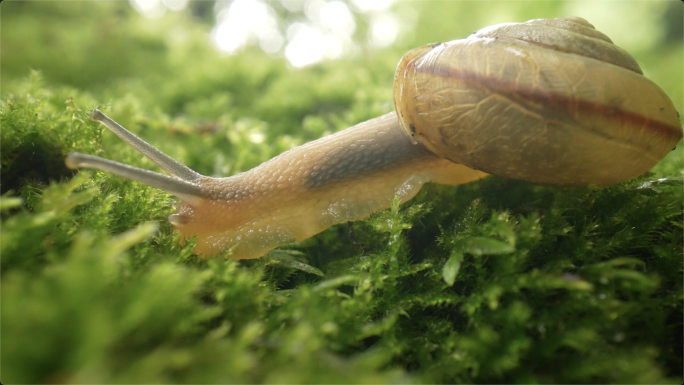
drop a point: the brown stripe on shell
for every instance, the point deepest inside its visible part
(556, 101)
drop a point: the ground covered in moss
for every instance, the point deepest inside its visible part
(497, 281)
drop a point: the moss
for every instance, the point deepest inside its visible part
(497, 281)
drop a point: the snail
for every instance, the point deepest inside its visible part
(549, 101)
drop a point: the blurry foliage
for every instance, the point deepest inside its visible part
(494, 281)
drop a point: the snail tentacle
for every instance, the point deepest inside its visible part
(162, 160)
(186, 191)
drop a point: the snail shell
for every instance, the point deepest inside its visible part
(552, 102)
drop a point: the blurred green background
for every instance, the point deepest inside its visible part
(591, 294)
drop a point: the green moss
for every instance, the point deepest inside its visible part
(494, 281)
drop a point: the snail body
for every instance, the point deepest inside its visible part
(299, 193)
(551, 102)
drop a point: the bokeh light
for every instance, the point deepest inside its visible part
(372, 5)
(307, 45)
(244, 22)
(304, 31)
(383, 30)
(337, 16)
(175, 5)
(155, 9)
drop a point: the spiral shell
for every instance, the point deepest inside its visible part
(549, 101)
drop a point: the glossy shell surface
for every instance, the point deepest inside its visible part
(552, 102)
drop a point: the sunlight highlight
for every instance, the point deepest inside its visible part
(305, 32)
(154, 9)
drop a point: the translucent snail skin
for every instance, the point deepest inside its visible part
(549, 101)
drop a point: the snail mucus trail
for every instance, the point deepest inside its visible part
(549, 101)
